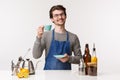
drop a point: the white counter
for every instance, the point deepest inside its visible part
(59, 75)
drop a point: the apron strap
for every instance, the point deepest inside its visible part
(53, 34)
(67, 36)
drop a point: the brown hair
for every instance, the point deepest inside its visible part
(56, 7)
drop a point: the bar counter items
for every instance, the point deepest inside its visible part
(90, 62)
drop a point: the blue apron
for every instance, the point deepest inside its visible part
(57, 48)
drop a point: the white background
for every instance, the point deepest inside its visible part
(94, 21)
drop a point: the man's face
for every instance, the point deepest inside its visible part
(58, 17)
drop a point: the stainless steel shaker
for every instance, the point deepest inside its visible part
(29, 65)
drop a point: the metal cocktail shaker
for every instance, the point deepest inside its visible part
(29, 65)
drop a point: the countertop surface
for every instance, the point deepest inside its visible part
(60, 75)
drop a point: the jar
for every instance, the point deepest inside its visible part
(92, 69)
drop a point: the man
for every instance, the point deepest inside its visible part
(59, 41)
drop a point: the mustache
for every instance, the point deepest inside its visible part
(61, 20)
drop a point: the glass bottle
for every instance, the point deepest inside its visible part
(87, 58)
(92, 67)
(81, 67)
(94, 57)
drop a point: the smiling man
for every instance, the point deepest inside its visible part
(59, 41)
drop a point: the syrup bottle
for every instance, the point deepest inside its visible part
(92, 67)
(87, 58)
(94, 57)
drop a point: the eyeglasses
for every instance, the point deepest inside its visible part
(57, 15)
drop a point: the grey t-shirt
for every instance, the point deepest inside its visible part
(44, 44)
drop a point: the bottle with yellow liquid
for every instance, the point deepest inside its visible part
(94, 57)
(92, 66)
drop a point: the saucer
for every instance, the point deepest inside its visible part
(59, 56)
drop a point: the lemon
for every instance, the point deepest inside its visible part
(25, 70)
(24, 73)
(20, 75)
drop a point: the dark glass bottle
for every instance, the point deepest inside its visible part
(87, 58)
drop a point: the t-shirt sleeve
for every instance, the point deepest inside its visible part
(38, 47)
(76, 50)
